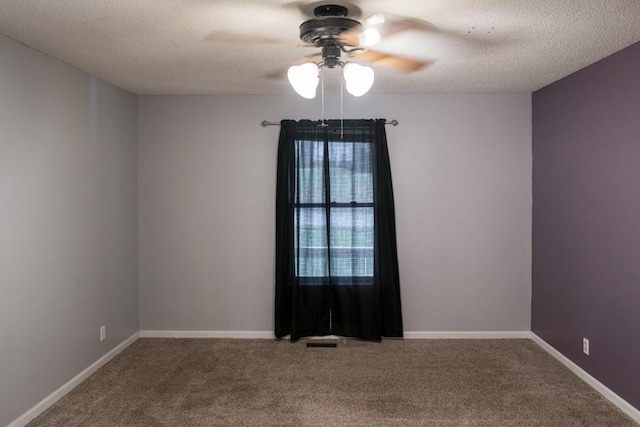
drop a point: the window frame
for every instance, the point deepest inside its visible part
(327, 206)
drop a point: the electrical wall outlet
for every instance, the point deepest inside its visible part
(585, 346)
(103, 332)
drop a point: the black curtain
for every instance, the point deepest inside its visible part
(336, 255)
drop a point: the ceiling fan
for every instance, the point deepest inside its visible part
(332, 29)
(338, 35)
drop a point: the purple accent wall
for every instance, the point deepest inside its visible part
(586, 219)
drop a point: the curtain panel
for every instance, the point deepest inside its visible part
(336, 254)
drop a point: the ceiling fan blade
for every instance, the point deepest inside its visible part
(389, 25)
(231, 37)
(351, 38)
(396, 24)
(390, 61)
(279, 74)
(380, 26)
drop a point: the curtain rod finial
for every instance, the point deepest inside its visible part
(264, 123)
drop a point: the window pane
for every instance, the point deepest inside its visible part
(351, 172)
(310, 242)
(351, 181)
(310, 172)
(352, 242)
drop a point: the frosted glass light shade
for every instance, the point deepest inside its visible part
(359, 79)
(304, 79)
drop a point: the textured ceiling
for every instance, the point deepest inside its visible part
(165, 46)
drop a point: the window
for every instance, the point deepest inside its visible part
(333, 213)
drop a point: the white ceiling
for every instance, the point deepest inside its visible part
(163, 46)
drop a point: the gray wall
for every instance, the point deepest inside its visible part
(68, 223)
(586, 219)
(461, 167)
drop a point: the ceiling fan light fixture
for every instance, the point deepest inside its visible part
(304, 79)
(370, 36)
(358, 78)
(375, 20)
(372, 33)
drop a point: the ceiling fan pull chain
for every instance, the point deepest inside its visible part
(342, 106)
(322, 95)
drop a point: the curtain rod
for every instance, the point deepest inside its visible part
(265, 123)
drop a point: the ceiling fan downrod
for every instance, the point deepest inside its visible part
(331, 55)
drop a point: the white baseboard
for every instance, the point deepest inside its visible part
(207, 334)
(269, 334)
(481, 335)
(48, 401)
(625, 406)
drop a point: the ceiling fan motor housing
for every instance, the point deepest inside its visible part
(329, 24)
(317, 30)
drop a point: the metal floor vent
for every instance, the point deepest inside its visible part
(322, 344)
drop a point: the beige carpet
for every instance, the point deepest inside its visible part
(188, 382)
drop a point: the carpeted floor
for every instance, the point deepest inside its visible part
(189, 382)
